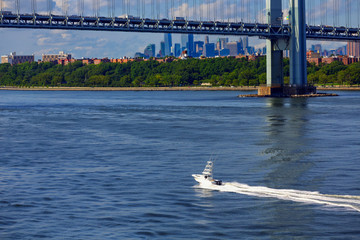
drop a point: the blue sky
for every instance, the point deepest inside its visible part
(119, 44)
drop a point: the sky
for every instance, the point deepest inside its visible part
(119, 44)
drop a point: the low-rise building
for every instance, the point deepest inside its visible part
(102, 60)
(14, 59)
(55, 57)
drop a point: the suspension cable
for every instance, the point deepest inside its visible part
(17, 7)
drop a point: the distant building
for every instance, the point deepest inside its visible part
(199, 48)
(177, 50)
(221, 43)
(187, 42)
(102, 60)
(184, 40)
(55, 57)
(224, 52)
(139, 55)
(207, 40)
(353, 49)
(209, 50)
(168, 44)
(14, 59)
(245, 42)
(234, 48)
(312, 54)
(190, 45)
(316, 48)
(87, 61)
(162, 49)
(150, 51)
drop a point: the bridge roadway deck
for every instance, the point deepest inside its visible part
(133, 24)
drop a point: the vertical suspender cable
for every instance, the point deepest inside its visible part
(128, 7)
(208, 10)
(348, 13)
(48, 6)
(152, 9)
(158, 9)
(187, 9)
(172, 9)
(194, 10)
(166, 9)
(221, 13)
(241, 11)
(215, 10)
(138, 9)
(143, 8)
(358, 15)
(17, 6)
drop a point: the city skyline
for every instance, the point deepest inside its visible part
(102, 44)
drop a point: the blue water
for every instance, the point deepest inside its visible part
(118, 165)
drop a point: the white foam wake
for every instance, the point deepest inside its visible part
(346, 201)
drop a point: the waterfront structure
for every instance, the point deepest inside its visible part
(55, 57)
(14, 59)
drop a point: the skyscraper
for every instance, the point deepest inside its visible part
(177, 50)
(209, 50)
(190, 45)
(187, 42)
(234, 48)
(162, 49)
(150, 51)
(245, 42)
(168, 44)
(184, 40)
(206, 39)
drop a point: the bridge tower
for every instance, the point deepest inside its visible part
(274, 52)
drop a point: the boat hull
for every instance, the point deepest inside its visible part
(205, 180)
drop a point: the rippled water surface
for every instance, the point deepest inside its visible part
(118, 165)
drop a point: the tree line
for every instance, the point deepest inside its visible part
(190, 72)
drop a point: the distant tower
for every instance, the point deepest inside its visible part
(168, 44)
(190, 45)
(206, 39)
(162, 49)
(184, 40)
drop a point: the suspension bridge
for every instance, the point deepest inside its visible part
(282, 22)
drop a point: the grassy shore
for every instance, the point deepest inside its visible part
(321, 88)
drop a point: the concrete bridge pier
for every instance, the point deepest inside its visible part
(296, 44)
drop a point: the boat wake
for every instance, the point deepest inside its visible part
(308, 197)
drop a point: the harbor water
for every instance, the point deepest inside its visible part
(118, 165)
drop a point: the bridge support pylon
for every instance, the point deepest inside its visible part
(275, 86)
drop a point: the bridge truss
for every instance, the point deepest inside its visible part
(135, 24)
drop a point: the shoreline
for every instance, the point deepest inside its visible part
(336, 88)
(129, 88)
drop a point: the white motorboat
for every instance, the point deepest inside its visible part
(206, 178)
